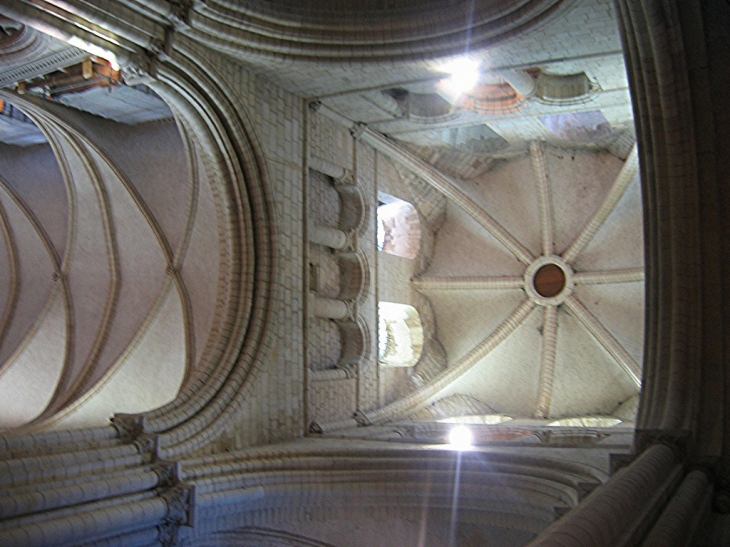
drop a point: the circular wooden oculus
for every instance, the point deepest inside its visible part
(549, 280)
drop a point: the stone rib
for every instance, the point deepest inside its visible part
(547, 224)
(436, 283)
(606, 339)
(628, 275)
(453, 372)
(625, 176)
(547, 361)
(450, 189)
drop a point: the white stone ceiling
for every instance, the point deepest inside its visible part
(567, 201)
(544, 189)
(578, 352)
(108, 269)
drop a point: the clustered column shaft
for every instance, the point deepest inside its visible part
(625, 509)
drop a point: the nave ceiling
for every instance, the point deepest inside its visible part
(259, 259)
(541, 150)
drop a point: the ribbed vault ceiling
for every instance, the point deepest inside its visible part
(537, 288)
(109, 243)
(105, 231)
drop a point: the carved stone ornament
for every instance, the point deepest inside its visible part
(180, 500)
(347, 179)
(141, 68)
(129, 426)
(357, 130)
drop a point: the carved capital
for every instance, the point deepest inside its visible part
(350, 245)
(180, 501)
(129, 427)
(168, 473)
(156, 47)
(351, 306)
(149, 446)
(179, 498)
(346, 179)
(357, 130)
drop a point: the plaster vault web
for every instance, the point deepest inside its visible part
(556, 295)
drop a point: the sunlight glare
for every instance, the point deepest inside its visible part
(460, 437)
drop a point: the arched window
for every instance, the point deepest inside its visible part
(399, 230)
(400, 335)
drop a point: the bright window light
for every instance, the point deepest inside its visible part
(464, 76)
(460, 437)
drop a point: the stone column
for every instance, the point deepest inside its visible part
(330, 308)
(329, 237)
(339, 174)
(683, 513)
(619, 512)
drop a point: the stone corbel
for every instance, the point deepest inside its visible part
(180, 19)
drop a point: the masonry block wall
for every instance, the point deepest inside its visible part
(274, 409)
(305, 346)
